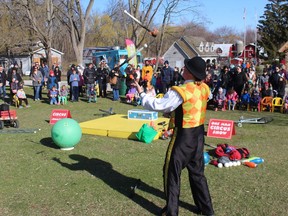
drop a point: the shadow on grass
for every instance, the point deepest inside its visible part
(123, 184)
(49, 143)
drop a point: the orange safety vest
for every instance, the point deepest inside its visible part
(194, 104)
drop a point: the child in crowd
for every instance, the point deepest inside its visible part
(254, 100)
(53, 94)
(137, 98)
(232, 98)
(130, 96)
(22, 97)
(14, 85)
(74, 83)
(52, 80)
(92, 94)
(245, 99)
(220, 100)
(286, 103)
(150, 90)
(62, 97)
(158, 85)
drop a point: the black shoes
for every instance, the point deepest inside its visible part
(195, 210)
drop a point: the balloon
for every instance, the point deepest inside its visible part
(206, 158)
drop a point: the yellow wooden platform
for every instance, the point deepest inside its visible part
(118, 126)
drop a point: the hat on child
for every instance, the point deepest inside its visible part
(51, 73)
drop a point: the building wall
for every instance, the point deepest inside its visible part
(175, 57)
(56, 57)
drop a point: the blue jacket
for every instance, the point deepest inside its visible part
(167, 74)
(74, 79)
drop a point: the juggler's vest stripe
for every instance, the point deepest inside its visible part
(167, 159)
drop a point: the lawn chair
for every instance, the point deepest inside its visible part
(266, 103)
(279, 103)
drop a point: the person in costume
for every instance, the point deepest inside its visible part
(187, 104)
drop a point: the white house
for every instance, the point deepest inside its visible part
(189, 47)
(25, 60)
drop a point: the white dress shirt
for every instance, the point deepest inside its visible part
(168, 103)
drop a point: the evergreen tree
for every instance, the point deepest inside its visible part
(273, 27)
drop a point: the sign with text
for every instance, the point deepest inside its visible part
(219, 128)
(58, 114)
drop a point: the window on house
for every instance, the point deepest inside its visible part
(201, 47)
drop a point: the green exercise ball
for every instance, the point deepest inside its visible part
(66, 133)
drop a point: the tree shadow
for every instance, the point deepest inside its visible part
(117, 181)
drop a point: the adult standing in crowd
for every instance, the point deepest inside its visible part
(36, 77)
(58, 73)
(69, 73)
(167, 74)
(102, 73)
(239, 80)
(274, 78)
(264, 78)
(225, 79)
(188, 104)
(3, 78)
(89, 75)
(74, 81)
(147, 72)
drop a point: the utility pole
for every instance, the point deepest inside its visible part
(256, 62)
(244, 49)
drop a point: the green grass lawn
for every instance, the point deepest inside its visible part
(37, 178)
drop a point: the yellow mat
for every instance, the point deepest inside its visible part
(118, 126)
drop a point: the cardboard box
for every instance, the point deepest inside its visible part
(142, 114)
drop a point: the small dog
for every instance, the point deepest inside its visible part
(16, 101)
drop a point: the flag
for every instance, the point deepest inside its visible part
(244, 14)
(130, 46)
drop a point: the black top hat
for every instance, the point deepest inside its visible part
(197, 67)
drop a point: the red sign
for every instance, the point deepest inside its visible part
(58, 114)
(219, 128)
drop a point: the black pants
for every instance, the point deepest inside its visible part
(185, 150)
(23, 99)
(75, 93)
(102, 89)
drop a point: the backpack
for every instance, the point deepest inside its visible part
(231, 152)
(112, 80)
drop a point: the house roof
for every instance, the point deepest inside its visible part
(224, 47)
(191, 46)
(53, 50)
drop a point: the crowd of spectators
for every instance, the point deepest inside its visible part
(248, 87)
(232, 86)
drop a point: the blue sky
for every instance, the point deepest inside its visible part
(230, 13)
(219, 12)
